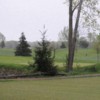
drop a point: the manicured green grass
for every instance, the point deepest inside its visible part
(54, 89)
(7, 57)
(82, 57)
(86, 56)
(6, 52)
(15, 60)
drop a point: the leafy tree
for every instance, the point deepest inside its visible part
(11, 44)
(43, 60)
(2, 40)
(2, 44)
(91, 38)
(63, 45)
(23, 48)
(63, 35)
(83, 43)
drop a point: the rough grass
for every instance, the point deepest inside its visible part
(55, 89)
(13, 69)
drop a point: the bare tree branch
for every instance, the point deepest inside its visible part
(75, 7)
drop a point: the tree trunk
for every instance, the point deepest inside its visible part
(76, 28)
(70, 38)
(72, 35)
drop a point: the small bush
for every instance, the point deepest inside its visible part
(87, 69)
(90, 69)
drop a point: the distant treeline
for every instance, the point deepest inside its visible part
(13, 44)
(55, 44)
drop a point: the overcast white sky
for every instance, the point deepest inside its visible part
(29, 16)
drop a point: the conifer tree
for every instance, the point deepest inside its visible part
(23, 48)
(43, 60)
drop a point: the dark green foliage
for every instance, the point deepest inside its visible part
(2, 44)
(23, 48)
(90, 69)
(83, 43)
(63, 45)
(86, 69)
(2, 40)
(44, 62)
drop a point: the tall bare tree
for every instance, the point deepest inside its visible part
(73, 32)
(76, 7)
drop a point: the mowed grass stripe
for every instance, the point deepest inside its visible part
(58, 89)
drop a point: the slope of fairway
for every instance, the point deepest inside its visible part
(55, 89)
(82, 57)
(6, 52)
(15, 60)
